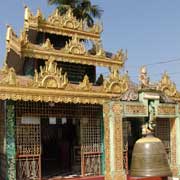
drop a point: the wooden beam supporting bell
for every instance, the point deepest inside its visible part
(149, 158)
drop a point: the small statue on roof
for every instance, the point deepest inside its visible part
(143, 78)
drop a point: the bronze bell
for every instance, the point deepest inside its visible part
(149, 158)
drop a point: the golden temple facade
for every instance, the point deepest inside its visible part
(54, 110)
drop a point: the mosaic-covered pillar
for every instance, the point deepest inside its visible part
(10, 141)
(102, 147)
(106, 111)
(117, 111)
(113, 141)
(178, 141)
(174, 168)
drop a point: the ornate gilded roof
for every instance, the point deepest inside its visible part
(165, 85)
(74, 51)
(51, 85)
(66, 25)
(168, 87)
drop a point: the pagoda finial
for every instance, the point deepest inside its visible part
(39, 14)
(27, 13)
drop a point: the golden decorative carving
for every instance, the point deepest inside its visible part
(47, 45)
(97, 28)
(27, 13)
(99, 49)
(27, 49)
(135, 109)
(120, 56)
(50, 76)
(23, 38)
(50, 95)
(118, 143)
(4, 69)
(12, 41)
(39, 15)
(58, 24)
(9, 76)
(118, 140)
(166, 109)
(85, 85)
(116, 83)
(66, 55)
(67, 20)
(75, 46)
(117, 109)
(167, 86)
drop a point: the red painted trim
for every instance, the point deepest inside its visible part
(146, 178)
(79, 178)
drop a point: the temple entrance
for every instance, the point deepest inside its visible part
(59, 138)
(56, 140)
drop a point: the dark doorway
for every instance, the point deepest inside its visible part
(131, 132)
(59, 136)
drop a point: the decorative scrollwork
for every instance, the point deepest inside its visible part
(99, 49)
(47, 44)
(167, 86)
(65, 24)
(50, 76)
(116, 83)
(23, 38)
(75, 47)
(96, 28)
(166, 109)
(67, 20)
(85, 85)
(120, 56)
(9, 76)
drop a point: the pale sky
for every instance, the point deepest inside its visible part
(148, 29)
